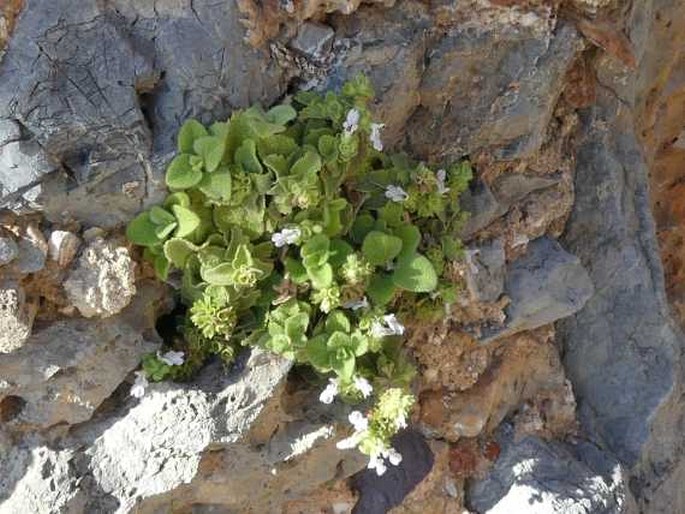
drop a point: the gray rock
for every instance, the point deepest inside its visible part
(544, 285)
(8, 250)
(513, 187)
(9, 131)
(103, 281)
(33, 251)
(482, 206)
(491, 83)
(313, 40)
(546, 477)
(22, 166)
(16, 317)
(379, 494)
(64, 372)
(485, 270)
(621, 350)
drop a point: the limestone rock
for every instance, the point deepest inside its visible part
(539, 477)
(63, 247)
(65, 371)
(102, 282)
(8, 250)
(512, 187)
(544, 285)
(313, 40)
(16, 317)
(482, 206)
(485, 270)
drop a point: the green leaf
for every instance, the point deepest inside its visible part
(211, 149)
(328, 148)
(380, 248)
(246, 157)
(161, 267)
(217, 185)
(415, 274)
(363, 224)
(392, 214)
(276, 163)
(381, 289)
(219, 129)
(343, 363)
(339, 340)
(296, 326)
(277, 144)
(190, 131)
(142, 231)
(178, 198)
(411, 237)
(180, 174)
(220, 275)
(159, 216)
(295, 270)
(187, 220)
(337, 322)
(360, 344)
(339, 250)
(317, 245)
(163, 231)
(318, 353)
(321, 277)
(177, 251)
(281, 114)
(308, 164)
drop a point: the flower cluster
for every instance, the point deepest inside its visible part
(294, 231)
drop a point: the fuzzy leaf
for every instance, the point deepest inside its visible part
(328, 148)
(217, 185)
(337, 322)
(321, 276)
(163, 231)
(380, 248)
(159, 216)
(161, 267)
(318, 353)
(211, 149)
(339, 251)
(295, 270)
(178, 250)
(187, 220)
(276, 163)
(281, 114)
(177, 198)
(381, 289)
(180, 174)
(308, 164)
(415, 274)
(220, 275)
(190, 131)
(363, 224)
(141, 230)
(411, 237)
(246, 157)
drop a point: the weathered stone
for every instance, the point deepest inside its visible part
(33, 251)
(490, 83)
(103, 281)
(512, 187)
(313, 40)
(9, 131)
(378, 494)
(65, 371)
(482, 206)
(63, 247)
(22, 166)
(485, 270)
(539, 477)
(8, 250)
(16, 317)
(544, 285)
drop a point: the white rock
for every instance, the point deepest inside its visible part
(16, 316)
(63, 247)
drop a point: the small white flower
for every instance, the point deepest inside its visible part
(138, 387)
(287, 236)
(171, 358)
(393, 456)
(375, 136)
(376, 462)
(390, 327)
(401, 421)
(363, 386)
(441, 175)
(358, 420)
(351, 123)
(355, 305)
(396, 193)
(330, 392)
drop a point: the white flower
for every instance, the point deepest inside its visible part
(355, 305)
(138, 387)
(401, 421)
(390, 327)
(396, 193)
(351, 123)
(349, 442)
(358, 420)
(375, 136)
(287, 236)
(377, 463)
(330, 392)
(441, 175)
(363, 386)
(393, 456)
(171, 358)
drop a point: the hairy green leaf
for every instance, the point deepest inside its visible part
(380, 248)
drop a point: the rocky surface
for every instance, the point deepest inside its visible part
(567, 114)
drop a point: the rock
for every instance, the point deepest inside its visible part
(9, 131)
(103, 281)
(64, 372)
(378, 494)
(513, 187)
(482, 206)
(33, 251)
(23, 164)
(540, 477)
(8, 250)
(545, 285)
(491, 82)
(485, 270)
(63, 247)
(16, 317)
(313, 40)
